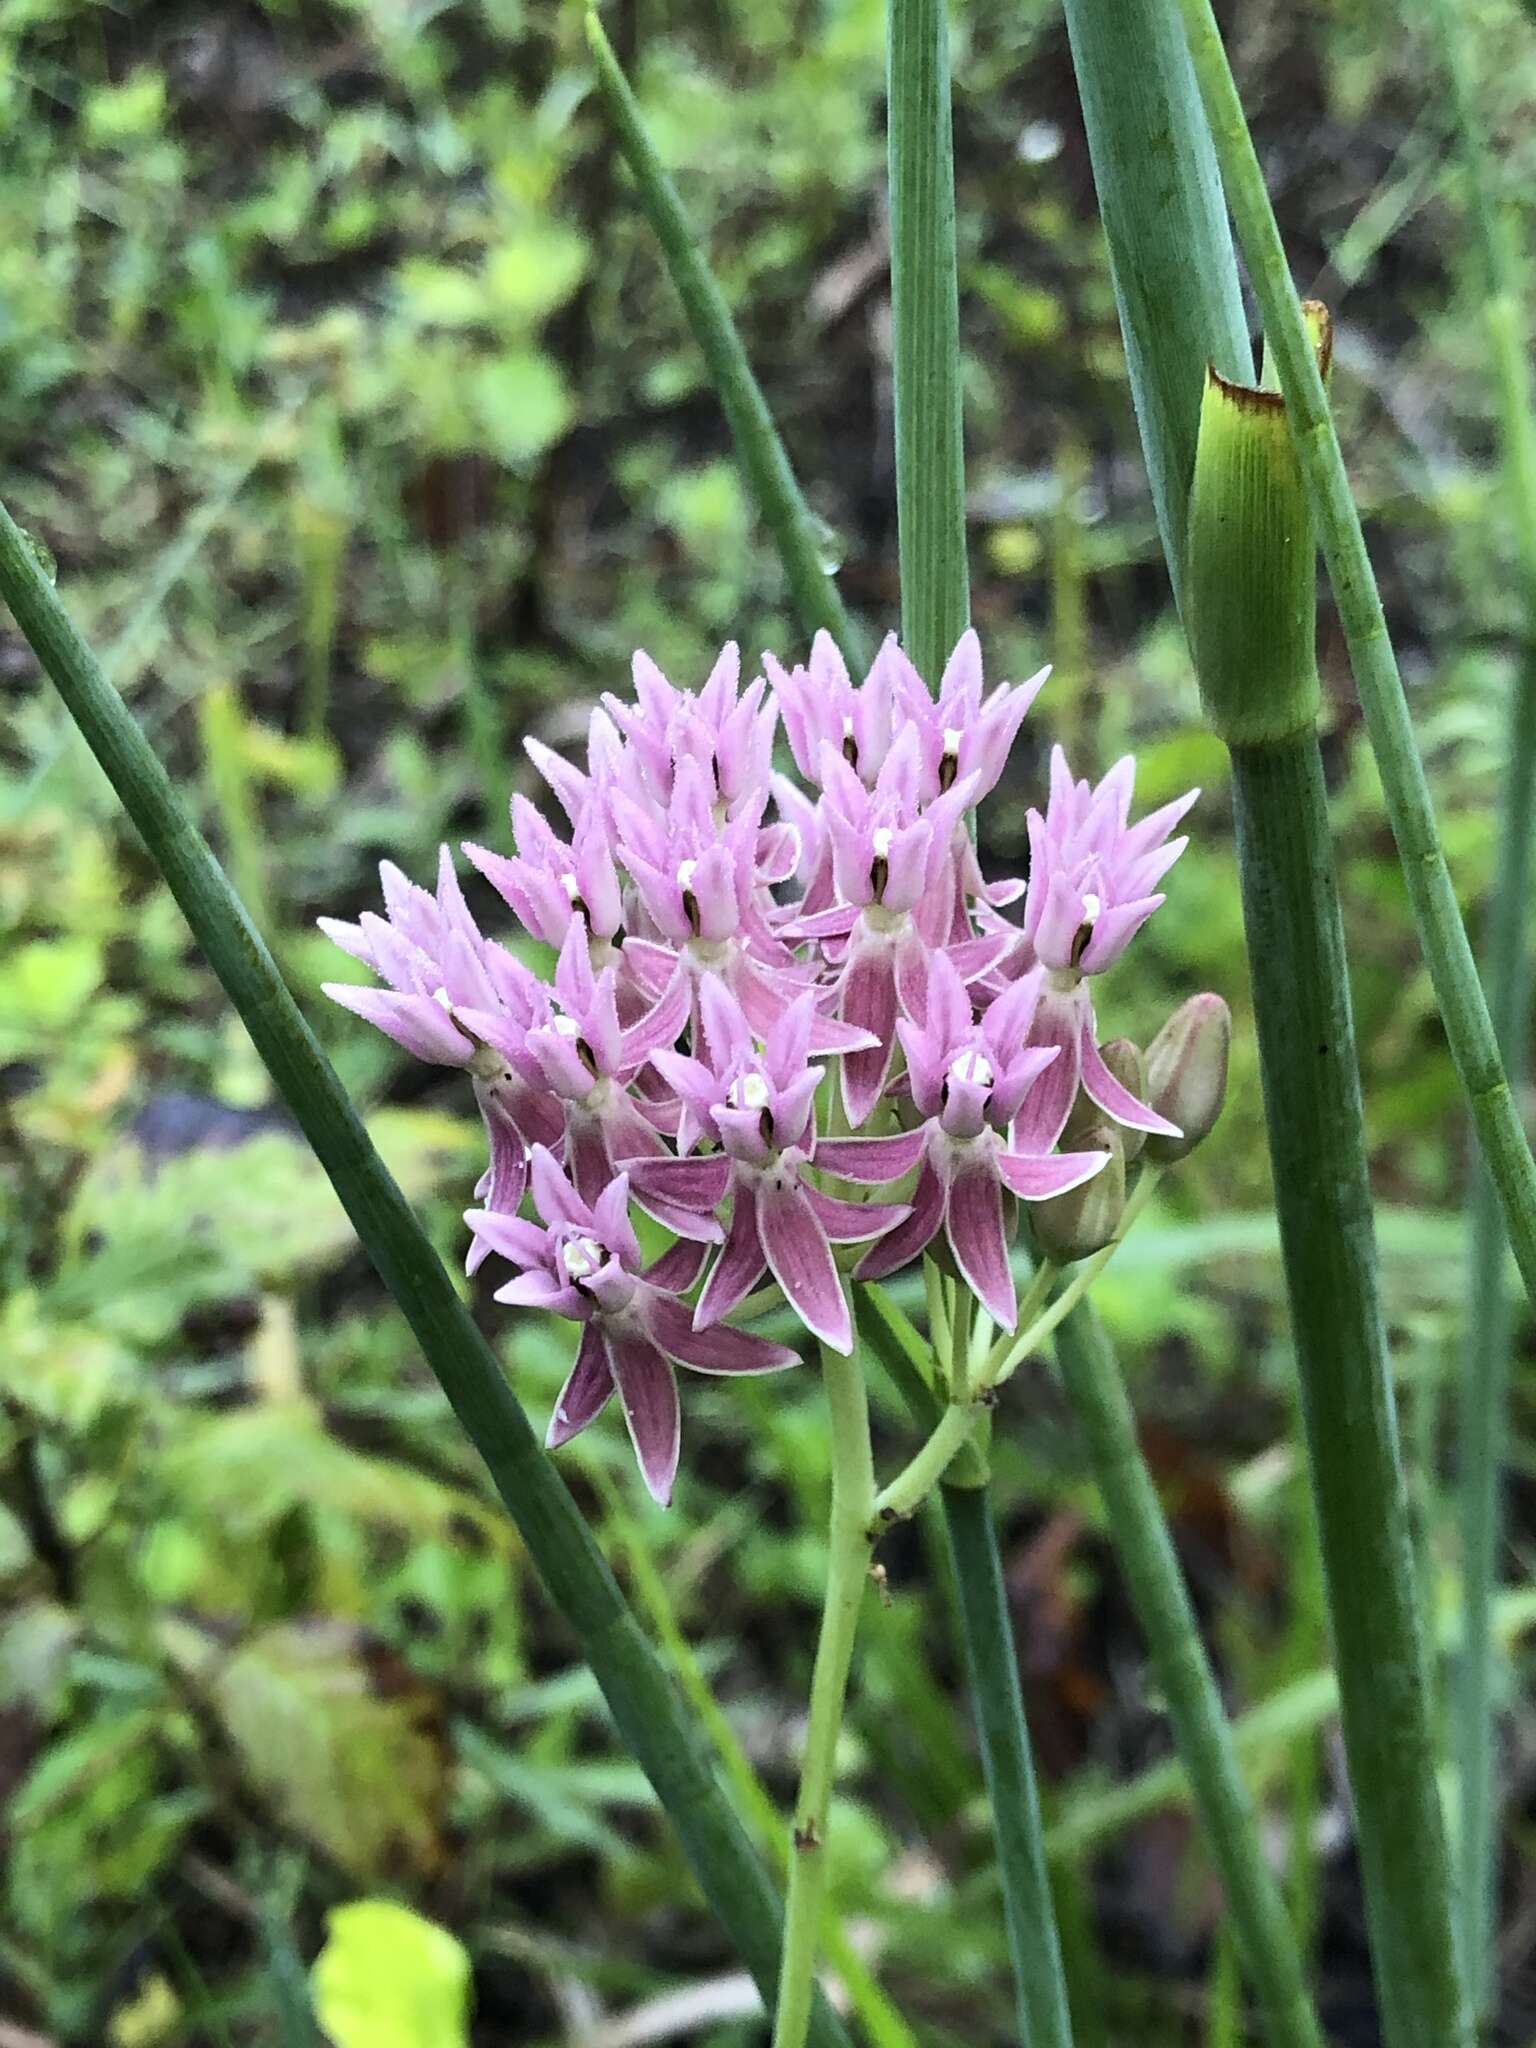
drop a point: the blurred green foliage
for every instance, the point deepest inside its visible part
(344, 385)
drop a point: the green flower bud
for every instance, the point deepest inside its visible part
(1186, 1067)
(1084, 1220)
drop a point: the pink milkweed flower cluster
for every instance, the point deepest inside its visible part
(790, 1024)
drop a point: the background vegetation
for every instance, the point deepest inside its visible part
(343, 382)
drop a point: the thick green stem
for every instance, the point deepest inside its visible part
(1146, 1556)
(853, 1497)
(800, 537)
(650, 1717)
(992, 1673)
(1322, 1194)
(1483, 1430)
(1410, 810)
(925, 337)
(1170, 249)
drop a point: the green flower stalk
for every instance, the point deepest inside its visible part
(1250, 602)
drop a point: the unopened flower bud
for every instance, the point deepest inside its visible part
(1186, 1067)
(1085, 1219)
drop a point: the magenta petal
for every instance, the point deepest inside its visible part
(854, 1222)
(698, 1181)
(1045, 1109)
(911, 1237)
(869, 1004)
(586, 1390)
(740, 1265)
(800, 1259)
(718, 1349)
(677, 1268)
(871, 1161)
(1113, 1097)
(974, 1225)
(1035, 1179)
(648, 1392)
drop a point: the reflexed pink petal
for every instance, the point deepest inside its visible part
(974, 1226)
(1113, 1097)
(698, 1182)
(585, 1393)
(854, 1222)
(718, 1349)
(648, 1394)
(1036, 1179)
(1058, 1022)
(418, 1023)
(869, 1004)
(677, 1268)
(871, 1161)
(1113, 932)
(586, 1156)
(911, 1237)
(800, 1259)
(740, 1265)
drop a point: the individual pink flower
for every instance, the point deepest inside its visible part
(583, 1262)
(970, 1082)
(1092, 885)
(892, 861)
(549, 880)
(759, 1108)
(441, 969)
(579, 1055)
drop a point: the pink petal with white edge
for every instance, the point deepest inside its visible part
(648, 1393)
(719, 1349)
(740, 1265)
(800, 1259)
(1113, 1097)
(854, 1222)
(1058, 1022)
(1035, 1179)
(974, 1227)
(585, 1393)
(871, 1161)
(697, 1182)
(911, 1237)
(869, 1004)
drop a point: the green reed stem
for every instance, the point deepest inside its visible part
(853, 1495)
(643, 1699)
(1170, 248)
(800, 537)
(1322, 1192)
(1410, 809)
(1147, 1557)
(925, 336)
(1483, 1427)
(992, 1674)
